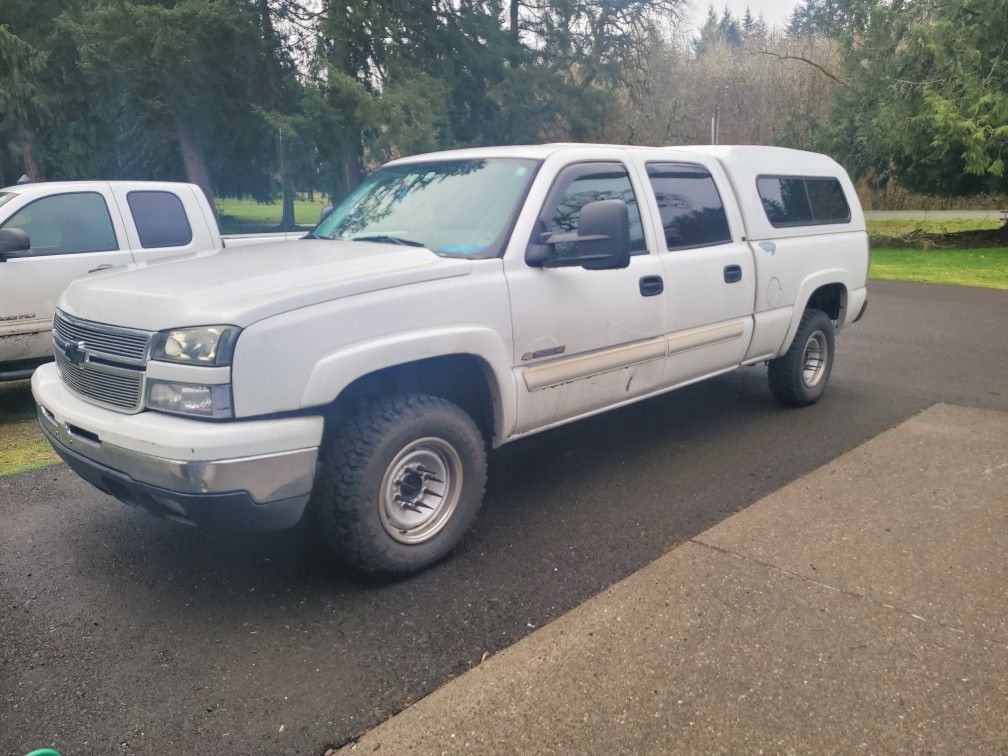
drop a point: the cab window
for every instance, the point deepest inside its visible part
(66, 224)
(579, 184)
(160, 219)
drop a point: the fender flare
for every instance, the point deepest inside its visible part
(805, 291)
(335, 371)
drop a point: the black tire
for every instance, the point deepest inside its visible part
(356, 466)
(789, 378)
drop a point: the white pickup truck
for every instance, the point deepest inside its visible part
(454, 302)
(52, 233)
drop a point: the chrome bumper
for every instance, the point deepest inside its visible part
(265, 478)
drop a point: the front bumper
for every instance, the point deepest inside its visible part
(237, 476)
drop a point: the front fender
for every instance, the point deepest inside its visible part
(337, 370)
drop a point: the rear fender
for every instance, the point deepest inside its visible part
(805, 291)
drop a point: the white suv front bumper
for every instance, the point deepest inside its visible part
(240, 475)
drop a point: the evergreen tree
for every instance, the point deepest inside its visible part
(927, 97)
(176, 76)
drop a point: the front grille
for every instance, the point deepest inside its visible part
(103, 339)
(103, 363)
(123, 391)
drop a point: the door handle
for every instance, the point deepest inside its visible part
(651, 286)
(100, 267)
(732, 273)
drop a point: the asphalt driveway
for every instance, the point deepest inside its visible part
(121, 633)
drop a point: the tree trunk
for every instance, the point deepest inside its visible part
(351, 169)
(513, 7)
(193, 160)
(287, 222)
(351, 151)
(287, 217)
(26, 144)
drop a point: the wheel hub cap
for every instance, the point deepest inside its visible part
(420, 490)
(814, 359)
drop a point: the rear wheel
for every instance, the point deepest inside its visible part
(799, 376)
(400, 483)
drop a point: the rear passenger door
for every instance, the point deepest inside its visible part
(162, 221)
(709, 269)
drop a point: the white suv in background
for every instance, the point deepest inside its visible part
(54, 232)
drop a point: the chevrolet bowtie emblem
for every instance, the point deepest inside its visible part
(74, 352)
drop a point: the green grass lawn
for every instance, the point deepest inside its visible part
(241, 216)
(907, 226)
(965, 267)
(22, 446)
(940, 233)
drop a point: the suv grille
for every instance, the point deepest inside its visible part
(102, 363)
(121, 391)
(104, 339)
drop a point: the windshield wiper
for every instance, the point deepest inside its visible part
(388, 239)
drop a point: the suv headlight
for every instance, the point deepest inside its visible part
(200, 345)
(191, 399)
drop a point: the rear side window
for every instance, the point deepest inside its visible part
(160, 219)
(692, 213)
(827, 200)
(802, 201)
(66, 224)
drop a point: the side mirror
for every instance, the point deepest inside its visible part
(601, 242)
(13, 243)
(326, 212)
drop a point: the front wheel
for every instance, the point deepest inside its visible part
(399, 484)
(799, 376)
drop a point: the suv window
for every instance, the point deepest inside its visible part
(64, 224)
(160, 219)
(827, 200)
(579, 184)
(692, 213)
(800, 201)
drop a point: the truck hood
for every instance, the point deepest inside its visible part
(242, 285)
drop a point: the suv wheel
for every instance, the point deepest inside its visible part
(799, 376)
(400, 482)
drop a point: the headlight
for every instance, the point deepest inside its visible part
(201, 345)
(191, 399)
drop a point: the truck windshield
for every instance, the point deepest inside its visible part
(452, 207)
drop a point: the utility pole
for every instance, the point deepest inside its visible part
(715, 122)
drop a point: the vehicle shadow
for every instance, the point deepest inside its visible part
(603, 496)
(16, 403)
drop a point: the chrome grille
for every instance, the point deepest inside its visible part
(122, 391)
(98, 338)
(102, 363)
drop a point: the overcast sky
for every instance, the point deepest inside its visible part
(776, 12)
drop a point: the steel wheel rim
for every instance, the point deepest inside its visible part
(814, 359)
(420, 490)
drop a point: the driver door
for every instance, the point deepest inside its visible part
(585, 339)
